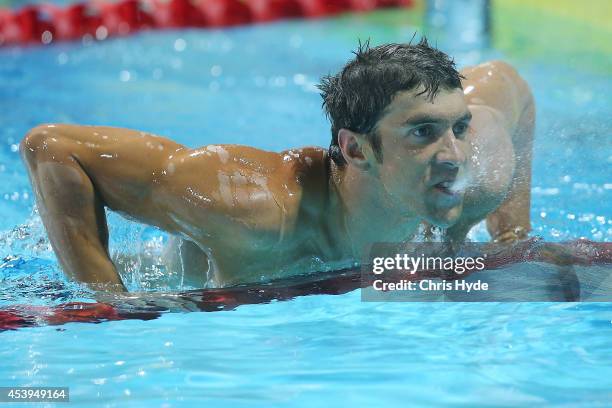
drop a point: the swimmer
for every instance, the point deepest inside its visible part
(413, 141)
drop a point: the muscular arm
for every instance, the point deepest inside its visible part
(498, 86)
(511, 220)
(218, 196)
(78, 170)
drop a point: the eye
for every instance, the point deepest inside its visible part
(460, 128)
(423, 132)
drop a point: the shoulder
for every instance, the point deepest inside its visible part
(239, 188)
(290, 168)
(499, 86)
(238, 181)
(498, 71)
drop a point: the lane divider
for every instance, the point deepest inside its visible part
(48, 23)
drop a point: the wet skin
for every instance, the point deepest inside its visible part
(237, 211)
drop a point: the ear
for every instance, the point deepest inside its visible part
(352, 146)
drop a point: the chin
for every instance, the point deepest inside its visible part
(444, 217)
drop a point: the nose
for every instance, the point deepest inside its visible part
(450, 154)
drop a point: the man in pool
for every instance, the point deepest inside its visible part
(413, 142)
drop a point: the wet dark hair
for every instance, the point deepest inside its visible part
(357, 96)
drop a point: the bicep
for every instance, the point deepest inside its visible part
(497, 85)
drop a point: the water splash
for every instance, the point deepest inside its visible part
(462, 183)
(28, 239)
(29, 272)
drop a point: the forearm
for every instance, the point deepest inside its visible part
(71, 210)
(512, 220)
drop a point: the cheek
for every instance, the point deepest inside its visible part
(405, 167)
(403, 173)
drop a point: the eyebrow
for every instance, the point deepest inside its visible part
(426, 118)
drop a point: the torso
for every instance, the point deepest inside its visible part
(303, 242)
(300, 244)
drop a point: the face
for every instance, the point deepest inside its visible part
(424, 150)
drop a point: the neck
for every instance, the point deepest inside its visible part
(363, 213)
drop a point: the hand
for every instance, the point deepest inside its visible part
(511, 236)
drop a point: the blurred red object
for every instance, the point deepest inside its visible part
(176, 13)
(364, 5)
(121, 18)
(394, 3)
(8, 319)
(221, 13)
(81, 312)
(322, 8)
(70, 23)
(47, 22)
(270, 10)
(24, 26)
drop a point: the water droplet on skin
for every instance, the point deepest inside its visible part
(220, 151)
(225, 189)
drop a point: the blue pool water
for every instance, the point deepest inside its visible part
(255, 85)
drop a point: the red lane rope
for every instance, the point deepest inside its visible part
(47, 23)
(580, 252)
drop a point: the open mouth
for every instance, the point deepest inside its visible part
(445, 187)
